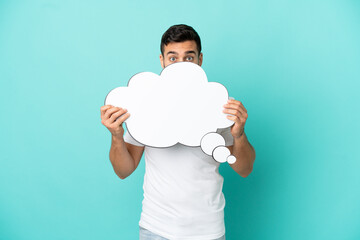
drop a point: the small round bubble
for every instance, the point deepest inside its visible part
(231, 159)
(221, 153)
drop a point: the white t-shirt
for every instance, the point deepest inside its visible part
(183, 196)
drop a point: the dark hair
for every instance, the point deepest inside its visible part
(180, 33)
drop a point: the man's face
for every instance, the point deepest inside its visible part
(181, 52)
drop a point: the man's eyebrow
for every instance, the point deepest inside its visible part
(187, 52)
(171, 52)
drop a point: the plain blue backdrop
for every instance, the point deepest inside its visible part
(294, 65)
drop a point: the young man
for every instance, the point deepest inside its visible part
(183, 196)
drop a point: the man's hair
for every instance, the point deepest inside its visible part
(180, 33)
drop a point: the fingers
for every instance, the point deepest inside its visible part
(238, 121)
(233, 112)
(110, 111)
(104, 108)
(117, 114)
(234, 118)
(121, 119)
(111, 115)
(239, 113)
(236, 108)
(235, 104)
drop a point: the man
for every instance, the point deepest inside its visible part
(183, 196)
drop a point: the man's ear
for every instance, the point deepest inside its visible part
(162, 60)
(200, 59)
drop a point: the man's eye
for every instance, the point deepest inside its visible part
(189, 58)
(172, 59)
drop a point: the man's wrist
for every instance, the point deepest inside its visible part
(117, 138)
(240, 137)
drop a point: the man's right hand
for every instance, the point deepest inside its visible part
(112, 118)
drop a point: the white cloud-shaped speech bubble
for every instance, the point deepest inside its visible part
(179, 106)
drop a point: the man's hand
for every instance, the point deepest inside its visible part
(237, 109)
(112, 118)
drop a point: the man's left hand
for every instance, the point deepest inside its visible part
(239, 112)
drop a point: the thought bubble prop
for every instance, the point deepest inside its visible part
(179, 106)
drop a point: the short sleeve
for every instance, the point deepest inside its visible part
(226, 134)
(129, 139)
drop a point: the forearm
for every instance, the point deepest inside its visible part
(120, 158)
(245, 156)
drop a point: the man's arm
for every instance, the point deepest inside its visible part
(124, 157)
(242, 149)
(245, 156)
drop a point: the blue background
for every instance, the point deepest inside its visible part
(294, 65)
